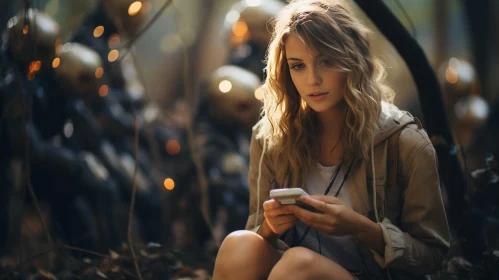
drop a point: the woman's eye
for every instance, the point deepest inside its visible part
(326, 63)
(297, 66)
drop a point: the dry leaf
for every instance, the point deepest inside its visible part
(101, 274)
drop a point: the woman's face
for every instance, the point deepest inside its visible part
(314, 75)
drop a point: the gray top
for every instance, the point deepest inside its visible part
(341, 249)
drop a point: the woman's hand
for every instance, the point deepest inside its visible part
(279, 217)
(336, 218)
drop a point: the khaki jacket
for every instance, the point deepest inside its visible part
(411, 213)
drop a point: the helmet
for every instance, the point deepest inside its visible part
(33, 38)
(231, 97)
(247, 27)
(77, 71)
(247, 21)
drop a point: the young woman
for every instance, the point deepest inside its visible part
(327, 129)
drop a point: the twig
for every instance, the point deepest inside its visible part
(129, 44)
(203, 182)
(134, 191)
(82, 250)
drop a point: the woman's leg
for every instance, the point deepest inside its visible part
(302, 263)
(245, 255)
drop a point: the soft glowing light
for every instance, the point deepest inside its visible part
(253, 3)
(134, 8)
(172, 147)
(169, 184)
(454, 63)
(114, 40)
(240, 29)
(56, 62)
(35, 66)
(259, 94)
(232, 16)
(25, 29)
(451, 75)
(103, 90)
(113, 55)
(225, 86)
(99, 72)
(68, 129)
(98, 31)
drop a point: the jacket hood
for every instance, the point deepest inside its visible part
(390, 121)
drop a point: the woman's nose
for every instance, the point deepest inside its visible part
(313, 77)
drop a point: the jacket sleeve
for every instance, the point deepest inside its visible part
(259, 174)
(421, 240)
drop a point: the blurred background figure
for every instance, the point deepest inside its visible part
(247, 28)
(229, 109)
(35, 109)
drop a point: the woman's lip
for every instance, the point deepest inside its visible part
(317, 93)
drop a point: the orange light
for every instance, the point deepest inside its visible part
(25, 29)
(240, 29)
(56, 62)
(169, 184)
(172, 147)
(98, 31)
(103, 90)
(35, 66)
(99, 72)
(114, 40)
(113, 55)
(134, 8)
(451, 75)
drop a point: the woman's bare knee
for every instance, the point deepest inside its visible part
(244, 254)
(295, 261)
(302, 263)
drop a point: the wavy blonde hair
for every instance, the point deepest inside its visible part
(290, 127)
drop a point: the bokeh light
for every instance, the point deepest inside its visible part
(169, 184)
(172, 147)
(134, 8)
(99, 72)
(103, 90)
(56, 62)
(113, 55)
(114, 40)
(225, 86)
(259, 94)
(451, 75)
(240, 29)
(98, 31)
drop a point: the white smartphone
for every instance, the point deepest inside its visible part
(290, 196)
